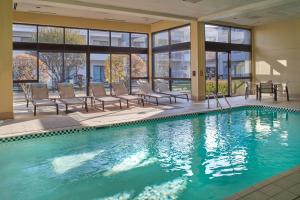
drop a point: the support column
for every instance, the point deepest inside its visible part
(198, 60)
(6, 82)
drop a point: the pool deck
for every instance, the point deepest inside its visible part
(284, 186)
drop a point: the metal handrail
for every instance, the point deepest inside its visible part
(215, 96)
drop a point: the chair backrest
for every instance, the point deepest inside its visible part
(119, 88)
(97, 89)
(145, 87)
(161, 85)
(266, 87)
(66, 90)
(39, 91)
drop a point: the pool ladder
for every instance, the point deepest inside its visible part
(215, 96)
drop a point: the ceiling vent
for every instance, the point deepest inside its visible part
(192, 1)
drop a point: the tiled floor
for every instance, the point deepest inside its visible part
(285, 186)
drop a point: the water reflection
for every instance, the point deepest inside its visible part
(174, 146)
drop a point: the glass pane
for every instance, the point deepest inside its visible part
(216, 33)
(24, 33)
(238, 87)
(223, 73)
(180, 35)
(51, 69)
(240, 64)
(139, 40)
(240, 36)
(24, 65)
(75, 70)
(120, 68)
(181, 85)
(181, 64)
(100, 69)
(161, 65)
(135, 86)
(99, 38)
(210, 74)
(139, 65)
(119, 39)
(161, 39)
(51, 35)
(75, 36)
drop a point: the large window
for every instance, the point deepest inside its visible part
(139, 40)
(75, 36)
(24, 33)
(50, 35)
(119, 39)
(172, 57)
(51, 68)
(228, 59)
(161, 39)
(99, 38)
(25, 66)
(78, 56)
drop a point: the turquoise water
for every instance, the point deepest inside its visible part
(208, 156)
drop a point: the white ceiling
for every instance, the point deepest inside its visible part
(243, 12)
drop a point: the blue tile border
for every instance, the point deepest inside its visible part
(121, 124)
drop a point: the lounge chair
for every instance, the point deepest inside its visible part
(40, 96)
(163, 88)
(282, 90)
(121, 92)
(146, 91)
(99, 94)
(267, 88)
(67, 96)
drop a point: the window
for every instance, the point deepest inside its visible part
(139, 40)
(139, 65)
(25, 65)
(119, 39)
(24, 33)
(181, 64)
(240, 36)
(75, 70)
(161, 39)
(51, 68)
(216, 33)
(180, 35)
(210, 72)
(181, 85)
(51, 35)
(240, 64)
(75, 36)
(161, 65)
(120, 68)
(238, 87)
(99, 38)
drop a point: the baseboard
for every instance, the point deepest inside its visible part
(6, 115)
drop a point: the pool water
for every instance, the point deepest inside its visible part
(207, 156)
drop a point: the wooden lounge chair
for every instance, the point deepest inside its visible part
(67, 96)
(121, 92)
(146, 91)
(163, 88)
(282, 90)
(99, 94)
(40, 96)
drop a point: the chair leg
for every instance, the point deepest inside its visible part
(57, 109)
(175, 99)
(127, 103)
(27, 103)
(171, 99)
(143, 103)
(287, 94)
(156, 101)
(120, 104)
(86, 107)
(103, 105)
(187, 97)
(66, 108)
(34, 112)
